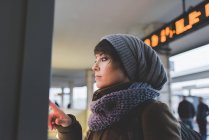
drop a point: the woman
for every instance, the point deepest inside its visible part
(128, 74)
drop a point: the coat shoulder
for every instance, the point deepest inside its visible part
(158, 122)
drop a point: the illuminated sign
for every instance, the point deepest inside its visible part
(195, 18)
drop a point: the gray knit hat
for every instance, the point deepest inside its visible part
(139, 60)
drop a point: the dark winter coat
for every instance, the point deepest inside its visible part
(158, 123)
(152, 121)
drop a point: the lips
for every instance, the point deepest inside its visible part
(98, 77)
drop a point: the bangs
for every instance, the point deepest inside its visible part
(104, 47)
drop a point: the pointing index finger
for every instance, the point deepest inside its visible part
(53, 106)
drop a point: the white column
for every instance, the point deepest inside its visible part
(89, 85)
(90, 90)
(166, 90)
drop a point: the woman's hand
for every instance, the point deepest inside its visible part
(58, 117)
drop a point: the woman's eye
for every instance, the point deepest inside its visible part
(104, 59)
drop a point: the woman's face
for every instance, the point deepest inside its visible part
(106, 72)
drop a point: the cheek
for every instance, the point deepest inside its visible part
(110, 75)
(115, 75)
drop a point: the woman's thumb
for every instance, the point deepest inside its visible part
(62, 122)
(58, 121)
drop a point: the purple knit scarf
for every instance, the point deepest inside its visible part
(110, 108)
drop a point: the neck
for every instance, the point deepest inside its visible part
(116, 87)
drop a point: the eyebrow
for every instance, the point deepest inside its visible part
(100, 54)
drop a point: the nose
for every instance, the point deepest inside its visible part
(95, 67)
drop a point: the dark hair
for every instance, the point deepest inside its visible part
(105, 47)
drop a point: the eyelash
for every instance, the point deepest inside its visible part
(103, 59)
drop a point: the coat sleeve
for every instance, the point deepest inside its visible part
(158, 123)
(72, 132)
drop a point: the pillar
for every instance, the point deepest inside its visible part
(90, 90)
(25, 56)
(89, 85)
(166, 93)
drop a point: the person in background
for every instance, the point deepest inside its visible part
(186, 112)
(69, 106)
(202, 113)
(128, 74)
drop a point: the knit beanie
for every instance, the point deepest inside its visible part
(140, 61)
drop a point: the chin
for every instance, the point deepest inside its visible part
(99, 85)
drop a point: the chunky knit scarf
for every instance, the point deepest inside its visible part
(110, 108)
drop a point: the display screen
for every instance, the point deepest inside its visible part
(192, 20)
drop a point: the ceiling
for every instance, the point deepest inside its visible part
(79, 25)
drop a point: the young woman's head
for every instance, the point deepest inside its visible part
(108, 67)
(120, 57)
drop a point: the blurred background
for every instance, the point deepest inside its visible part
(79, 25)
(47, 52)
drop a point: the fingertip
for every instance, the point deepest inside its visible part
(53, 106)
